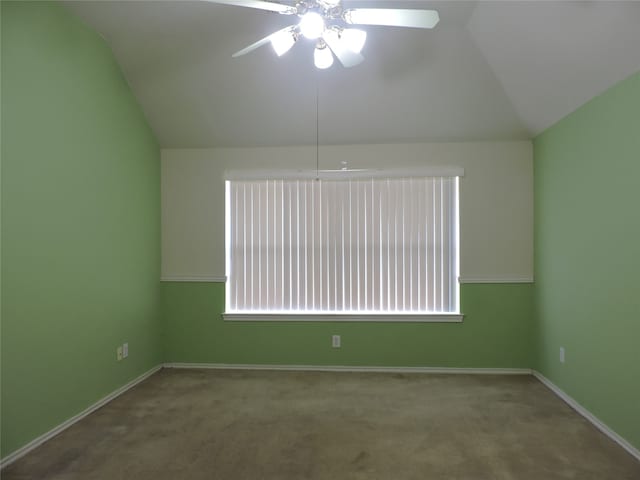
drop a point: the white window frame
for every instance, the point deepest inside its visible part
(320, 316)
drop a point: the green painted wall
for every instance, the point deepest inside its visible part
(496, 333)
(587, 200)
(80, 223)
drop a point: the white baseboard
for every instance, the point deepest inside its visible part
(347, 368)
(588, 415)
(22, 451)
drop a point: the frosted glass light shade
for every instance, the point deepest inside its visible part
(282, 42)
(323, 58)
(354, 39)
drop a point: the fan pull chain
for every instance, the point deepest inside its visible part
(317, 131)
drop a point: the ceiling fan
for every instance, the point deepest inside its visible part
(327, 23)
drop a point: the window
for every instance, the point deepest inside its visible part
(355, 247)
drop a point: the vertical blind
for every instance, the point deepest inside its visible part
(343, 246)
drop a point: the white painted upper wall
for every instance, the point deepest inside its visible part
(496, 200)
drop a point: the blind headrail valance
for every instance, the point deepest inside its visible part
(348, 174)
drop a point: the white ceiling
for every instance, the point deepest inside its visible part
(489, 71)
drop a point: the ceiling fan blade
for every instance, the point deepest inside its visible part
(261, 42)
(392, 17)
(260, 5)
(347, 57)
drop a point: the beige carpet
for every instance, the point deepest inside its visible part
(206, 424)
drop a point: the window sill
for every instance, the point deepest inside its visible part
(330, 317)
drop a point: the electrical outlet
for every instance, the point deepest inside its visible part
(561, 354)
(335, 341)
(125, 350)
(119, 353)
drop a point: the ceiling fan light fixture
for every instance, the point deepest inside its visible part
(312, 25)
(323, 21)
(283, 41)
(354, 39)
(322, 56)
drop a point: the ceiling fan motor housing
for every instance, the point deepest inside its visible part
(328, 9)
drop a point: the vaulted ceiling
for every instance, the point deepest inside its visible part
(490, 70)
